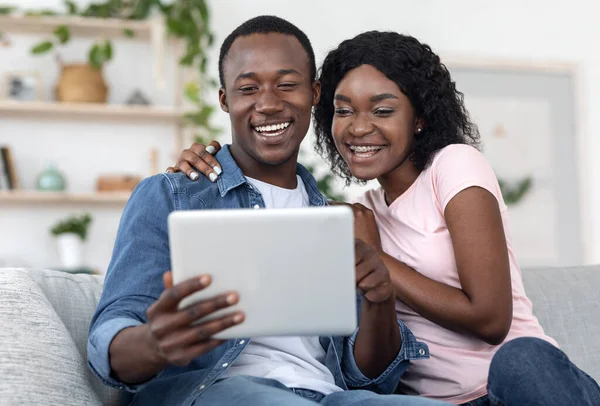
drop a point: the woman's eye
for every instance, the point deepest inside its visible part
(342, 111)
(383, 112)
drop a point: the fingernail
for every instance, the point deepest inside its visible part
(193, 175)
(217, 170)
(205, 279)
(238, 318)
(231, 298)
(210, 149)
(212, 177)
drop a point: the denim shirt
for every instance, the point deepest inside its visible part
(134, 281)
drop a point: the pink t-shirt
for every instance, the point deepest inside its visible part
(413, 230)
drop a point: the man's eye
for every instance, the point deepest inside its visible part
(247, 89)
(288, 86)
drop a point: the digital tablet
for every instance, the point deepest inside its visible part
(293, 268)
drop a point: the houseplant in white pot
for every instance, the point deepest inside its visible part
(70, 234)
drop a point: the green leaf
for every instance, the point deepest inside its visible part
(188, 59)
(5, 10)
(142, 10)
(215, 130)
(201, 117)
(192, 92)
(204, 12)
(108, 51)
(63, 34)
(71, 7)
(175, 27)
(99, 10)
(166, 9)
(74, 224)
(40, 13)
(100, 53)
(129, 33)
(514, 193)
(95, 56)
(42, 48)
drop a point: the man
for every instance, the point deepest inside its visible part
(141, 342)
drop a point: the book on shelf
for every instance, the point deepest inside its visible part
(8, 174)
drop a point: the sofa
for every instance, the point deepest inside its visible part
(44, 319)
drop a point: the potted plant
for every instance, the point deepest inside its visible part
(70, 234)
(186, 20)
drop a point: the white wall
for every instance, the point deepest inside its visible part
(82, 149)
(522, 30)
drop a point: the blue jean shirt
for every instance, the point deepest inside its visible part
(134, 281)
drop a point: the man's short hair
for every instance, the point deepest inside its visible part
(267, 25)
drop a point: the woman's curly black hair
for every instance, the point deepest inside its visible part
(419, 74)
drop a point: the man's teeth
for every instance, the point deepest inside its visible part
(364, 148)
(273, 127)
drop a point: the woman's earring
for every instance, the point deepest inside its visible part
(419, 129)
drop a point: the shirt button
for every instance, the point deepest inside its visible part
(242, 342)
(256, 206)
(225, 365)
(421, 352)
(202, 387)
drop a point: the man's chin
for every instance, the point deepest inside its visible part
(276, 158)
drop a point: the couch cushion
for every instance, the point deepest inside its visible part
(567, 304)
(45, 317)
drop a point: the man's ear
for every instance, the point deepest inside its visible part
(223, 100)
(316, 86)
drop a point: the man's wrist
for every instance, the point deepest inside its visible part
(134, 357)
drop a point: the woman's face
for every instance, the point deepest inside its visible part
(374, 123)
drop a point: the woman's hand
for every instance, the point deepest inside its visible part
(372, 276)
(199, 159)
(365, 226)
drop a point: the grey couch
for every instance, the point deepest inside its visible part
(44, 318)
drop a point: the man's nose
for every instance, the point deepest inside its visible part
(269, 103)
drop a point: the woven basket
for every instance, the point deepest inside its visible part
(81, 83)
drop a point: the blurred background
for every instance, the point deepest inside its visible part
(89, 105)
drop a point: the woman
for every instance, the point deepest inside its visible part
(390, 111)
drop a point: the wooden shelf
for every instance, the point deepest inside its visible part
(80, 26)
(37, 197)
(90, 110)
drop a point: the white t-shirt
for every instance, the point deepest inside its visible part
(296, 362)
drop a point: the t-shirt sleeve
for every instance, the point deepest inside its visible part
(458, 167)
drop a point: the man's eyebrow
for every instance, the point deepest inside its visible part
(383, 96)
(288, 72)
(280, 72)
(343, 98)
(246, 75)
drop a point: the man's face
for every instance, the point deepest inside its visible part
(269, 94)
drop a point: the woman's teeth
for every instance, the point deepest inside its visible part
(363, 151)
(272, 130)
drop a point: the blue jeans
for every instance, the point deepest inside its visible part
(251, 391)
(530, 371)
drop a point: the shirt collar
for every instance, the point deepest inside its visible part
(232, 177)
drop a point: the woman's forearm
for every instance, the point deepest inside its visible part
(442, 304)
